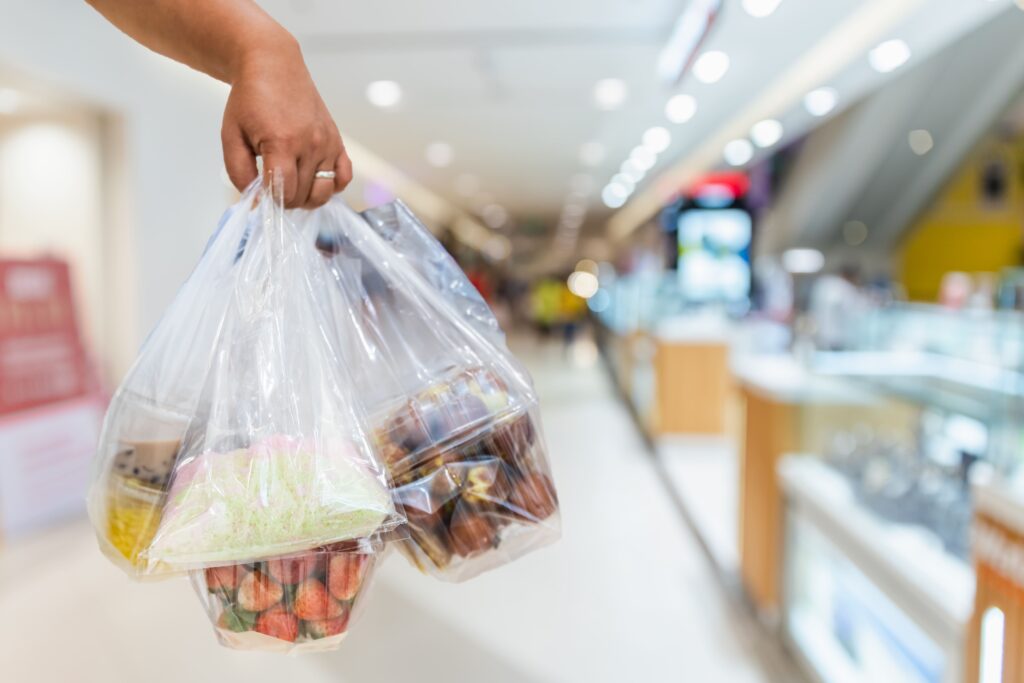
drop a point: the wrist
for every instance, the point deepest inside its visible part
(267, 50)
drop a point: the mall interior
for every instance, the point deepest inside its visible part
(763, 259)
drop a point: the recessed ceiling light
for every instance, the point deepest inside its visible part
(440, 154)
(657, 139)
(384, 94)
(854, 233)
(761, 8)
(583, 284)
(623, 180)
(738, 152)
(10, 100)
(711, 66)
(643, 157)
(467, 184)
(888, 56)
(610, 93)
(614, 196)
(766, 133)
(494, 215)
(592, 153)
(821, 101)
(681, 108)
(803, 260)
(921, 142)
(631, 170)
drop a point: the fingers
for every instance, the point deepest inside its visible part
(283, 165)
(298, 170)
(342, 171)
(239, 159)
(322, 189)
(308, 166)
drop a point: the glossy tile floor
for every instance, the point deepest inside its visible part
(625, 596)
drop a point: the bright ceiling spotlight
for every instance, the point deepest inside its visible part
(821, 101)
(681, 108)
(889, 56)
(384, 94)
(643, 158)
(711, 66)
(738, 152)
(583, 284)
(803, 261)
(920, 141)
(624, 181)
(761, 8)
(614, 195)
(610, 93)
(632, 171)
(766, 133)
(657, 139)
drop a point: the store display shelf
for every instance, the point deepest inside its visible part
(780, 377)
(1002, 501)
(823, 659)
(931, 586)
(959, 385)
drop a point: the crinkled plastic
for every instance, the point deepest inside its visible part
(237, 436)
(455, 416)
(302, 603)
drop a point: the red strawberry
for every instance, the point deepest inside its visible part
(345, 574)
(312, 602)
(224, 578)
(277, 623)
(258, 592)
(327, 627)
(291, 570)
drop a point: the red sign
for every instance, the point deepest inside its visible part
(41, 354)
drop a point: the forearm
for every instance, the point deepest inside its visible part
(218, 37)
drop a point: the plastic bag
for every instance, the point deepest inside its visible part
(150, 411)
(273, 456)
(303, 603)
(455, 416)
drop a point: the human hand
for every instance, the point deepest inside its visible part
(274, 111)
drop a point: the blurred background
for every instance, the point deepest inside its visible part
(764, 258)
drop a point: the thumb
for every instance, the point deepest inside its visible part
(239, 159)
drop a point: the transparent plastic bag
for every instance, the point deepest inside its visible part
(455, 416)
(411, 240)
(150, 412)
(302, 603)
(274, 457)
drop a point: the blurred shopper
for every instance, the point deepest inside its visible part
(572, 311)
(274, 110)
(545, 299)
(835, 306)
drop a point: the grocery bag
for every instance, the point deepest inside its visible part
(272, 455)
(455, 417)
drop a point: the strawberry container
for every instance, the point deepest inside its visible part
(301, 603)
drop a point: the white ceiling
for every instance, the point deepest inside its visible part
(509, 84)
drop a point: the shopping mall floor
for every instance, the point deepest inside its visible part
(627, 593)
